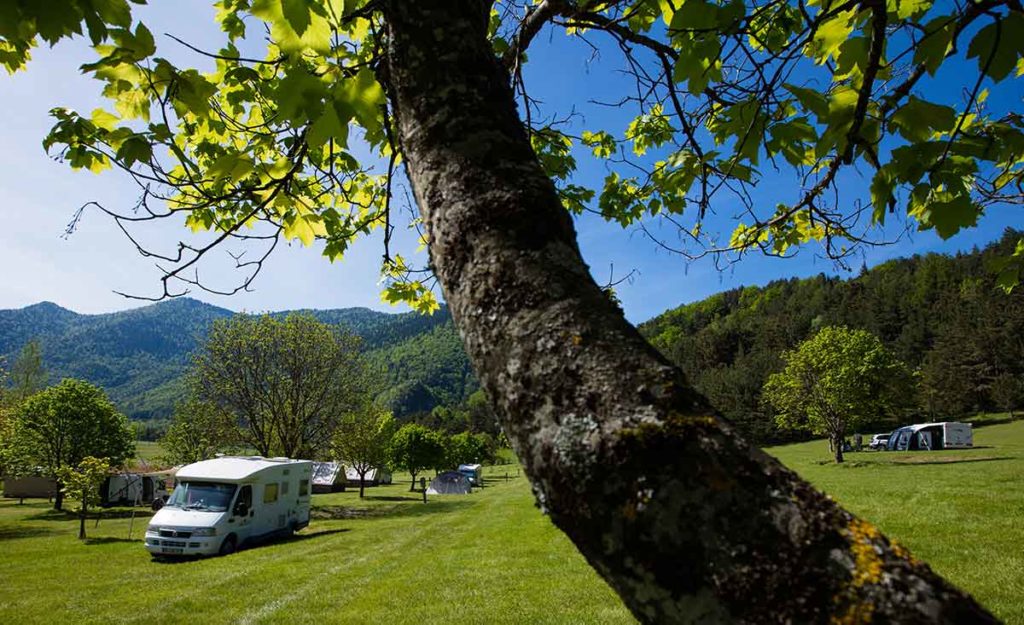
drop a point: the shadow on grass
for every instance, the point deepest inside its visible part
(410, 509)
(925, 460)
(393, 498)
(69, 515)
(107, 540)
(257, 544)
(17, 531)
(911, 462)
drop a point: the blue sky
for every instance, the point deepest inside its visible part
(82, 272)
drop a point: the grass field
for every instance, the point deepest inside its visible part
(960, 511)
(489, 557)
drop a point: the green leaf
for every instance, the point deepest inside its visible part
(364, 95)
(300, 96)
(831, 34)
(114, 12)
(297, 227)
(814, 101)
(918, 120)
(332, 124)
(936, 43)
(906, 9)
(297, 14)
(998, 45)
(104, 120)
(234, 166)
(133, 150)
(132, 104)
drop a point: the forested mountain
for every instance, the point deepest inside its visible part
(942, 315)
(139, 355)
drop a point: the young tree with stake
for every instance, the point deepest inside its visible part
(82, 486)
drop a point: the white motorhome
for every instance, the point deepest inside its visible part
(219, 504)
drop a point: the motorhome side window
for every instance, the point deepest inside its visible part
(270, 493)
(284, 488)
(303, 488)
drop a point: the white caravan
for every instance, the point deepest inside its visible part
(929, 436)
(220, 504)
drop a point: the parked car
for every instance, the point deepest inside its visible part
(879, 442)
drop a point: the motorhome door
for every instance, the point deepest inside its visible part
(242, 513)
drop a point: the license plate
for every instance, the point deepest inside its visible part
(169, 550)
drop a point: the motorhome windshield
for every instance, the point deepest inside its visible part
(210, 496)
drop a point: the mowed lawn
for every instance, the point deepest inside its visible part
(489, 557)
(961, 511)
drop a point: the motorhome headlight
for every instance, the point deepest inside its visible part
(204, 531)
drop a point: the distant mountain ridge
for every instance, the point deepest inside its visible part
(941, 314)
(139, 355)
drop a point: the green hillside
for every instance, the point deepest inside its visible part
(942, 315)
(139, 355)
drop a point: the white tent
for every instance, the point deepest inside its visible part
(450, 483)
(374, 477)
(328, 477)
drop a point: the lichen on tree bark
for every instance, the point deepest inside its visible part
(686, 521)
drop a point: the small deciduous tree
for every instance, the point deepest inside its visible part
(835, 381)
(363, 441)
(287, 381)
(415, 448)
(198, 432)
(28, 375)
(62, 425)
(469, 448)
(81, 485)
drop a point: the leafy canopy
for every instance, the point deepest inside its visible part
(297, 141)
(287, 382)
(415, 448)
(836, 381)
(62, 425)
(362, 440)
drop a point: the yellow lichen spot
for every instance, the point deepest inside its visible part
(903, 553)
(577, 339)
(867, 567)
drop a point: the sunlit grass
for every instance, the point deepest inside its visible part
(489, 557)
(962, 511)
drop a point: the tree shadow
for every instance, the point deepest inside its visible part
(71, 515)
(392, 498)
(333, 513)
(302, 537)
(106, 540)
(22, 531)
(256, 544)
(927, 461)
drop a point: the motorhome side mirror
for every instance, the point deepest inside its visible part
(241, 510)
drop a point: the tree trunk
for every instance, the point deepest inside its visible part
(837, 448)
(58, 498)
(362, 484)
(81, 523)
(687, 522)
(412, 486)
